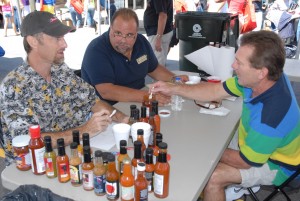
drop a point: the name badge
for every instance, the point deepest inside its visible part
(141, 59)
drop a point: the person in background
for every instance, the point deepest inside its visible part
(26, 8)
(75, 16)
(263, 150)
(117, 62)
(16, 14)
(258, 14)
(112, 8)
(8, 15)
(89, 6)
(217, 6)
(158, 23)
(45, 91)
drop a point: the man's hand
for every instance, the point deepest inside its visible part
(163, 88)
(162, 99)
(98, 122)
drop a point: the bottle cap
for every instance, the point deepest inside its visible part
(47, 139)
(35, 131)
(140, 132)
(155, 103)
(159, 136)
(98, 153)
(73, 145)
(104, 156)
(137, 144)
(149, 151)
(123, 143)
(60, 141)
(20, 141)
(111, 158)
(132, 107)
(141, 166)
(163, 145)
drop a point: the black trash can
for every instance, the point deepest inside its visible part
(198, 29)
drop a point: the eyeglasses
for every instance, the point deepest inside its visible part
(119, 35)
(211, 105)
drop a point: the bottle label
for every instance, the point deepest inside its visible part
(49, 167)
(23, 161)
(158, 184)
(63, 169)
(76, 172)
(151, 138)
(127, 193)
(112, 189)
(121, 167)
(39, 160)
(149, 177)
(88, 179)
(99, 184)
(144, 195)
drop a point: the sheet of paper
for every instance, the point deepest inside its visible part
(104, 140)
(213, 60)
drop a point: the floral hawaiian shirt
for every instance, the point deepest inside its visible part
(27, 98)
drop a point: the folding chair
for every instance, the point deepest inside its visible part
(289, 185)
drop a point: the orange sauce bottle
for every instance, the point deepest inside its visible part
(147, 102)
(127, 182)
(156, 116)
(156, 149)
(153, 130)
(37, 150)
(141, 184)
(137, 157)
(140, 137)
(76, 138)
(62, 161)
(122, 156)
(87, 169)
(144, 115)
(162, 173)
(112, 179)
(149, 171)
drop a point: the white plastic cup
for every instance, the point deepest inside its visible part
(121, 132)
(141, 125)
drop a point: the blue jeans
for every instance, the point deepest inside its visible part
(298, 31)
(90, 17)
(17, 19)
(76, 17)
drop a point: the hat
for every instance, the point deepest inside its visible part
(39, 21)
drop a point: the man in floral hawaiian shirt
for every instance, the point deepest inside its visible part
(45, 91)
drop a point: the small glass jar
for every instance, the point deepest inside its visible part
(21, 152)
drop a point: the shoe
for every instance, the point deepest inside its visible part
(236, 192)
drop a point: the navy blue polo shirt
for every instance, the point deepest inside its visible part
(103, 64)
(151, 14)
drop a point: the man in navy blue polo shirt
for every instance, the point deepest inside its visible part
(117, 62)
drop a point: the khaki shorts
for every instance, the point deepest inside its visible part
(254, 175)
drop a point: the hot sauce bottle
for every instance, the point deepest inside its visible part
(140, 137)
(132, 112)
(37, 150)
(143, 115)
(123, 155)
(76, 138)
(137, 157)
(86, 141)
(147, 99)
(162, 173)
(149, 171)
(127, 182)
(50, 158)
(141, 184)
(156, 116)
(112, 179)
(158, 140)
(87, 169)
(99, 174)
(62, 161)
(153, 130)
(75, 165)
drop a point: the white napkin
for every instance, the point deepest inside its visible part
(214, 61)
(104, 140)
(220, 111)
